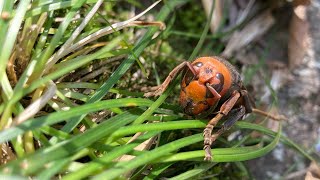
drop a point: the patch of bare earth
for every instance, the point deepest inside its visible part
(293, 58)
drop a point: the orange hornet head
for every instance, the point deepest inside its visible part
(195, 95)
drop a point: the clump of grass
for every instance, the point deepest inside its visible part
(69, 108)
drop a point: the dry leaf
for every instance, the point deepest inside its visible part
(313, 172)
(299, 41)
(309, 176)
(146, 145)
(216, 15)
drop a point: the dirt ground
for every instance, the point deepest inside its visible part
(297, 86)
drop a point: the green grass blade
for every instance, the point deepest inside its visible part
(44, 35)
(37, 161)
(48, 173)
(57, 166)
(78, 85)
(126, 64)
(43, 58)
(227, 154)
(156, 170)
(181, 124)
(32, 64)
(18, 146)
(199, 154)
(5, 53)
(66, 68)
(287, 141)
(56, 117)
(154, 106)
(47, 7)
(192, 56)
(5, 7)
(203, 35)
(148, 157)
(54, 132)
(102, 163)
(12, 177)
(74, 95)
(194, 172)
(8, 44)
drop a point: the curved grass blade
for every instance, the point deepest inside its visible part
(227, 154)
(181, 124)
(56, 117)
(185, 124)
(287, 141)
(151, 156)
(148, 157)
(102, 163)
(35, 162)
(198, 154)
